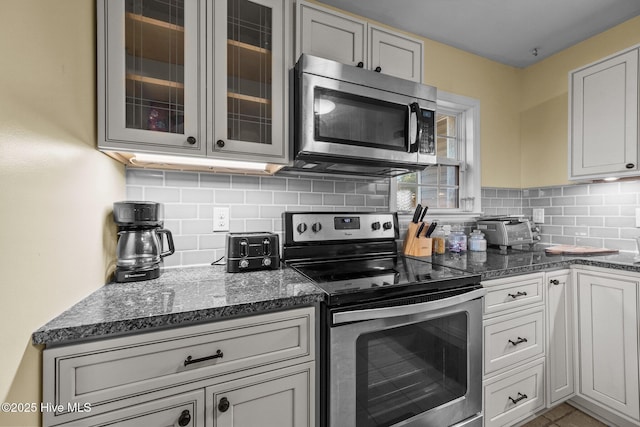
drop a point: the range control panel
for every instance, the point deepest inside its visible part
(328, 226)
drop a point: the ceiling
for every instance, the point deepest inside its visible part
(505, 31)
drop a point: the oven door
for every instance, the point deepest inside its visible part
(407, 365)
(356, 123)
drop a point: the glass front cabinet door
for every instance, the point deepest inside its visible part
(194, 77)
(148, 76)
(250, 81)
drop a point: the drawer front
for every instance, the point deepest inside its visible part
(514, 395)
(513, 293)
(114, 369)
(513, 338)
(183, 409)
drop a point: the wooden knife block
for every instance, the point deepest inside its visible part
(417, 246)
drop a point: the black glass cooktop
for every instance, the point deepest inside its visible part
(369, 279)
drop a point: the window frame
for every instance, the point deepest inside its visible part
(468, 127)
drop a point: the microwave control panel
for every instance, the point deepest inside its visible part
(427, 136)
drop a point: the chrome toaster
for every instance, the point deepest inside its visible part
(506, 231)
(252, 251)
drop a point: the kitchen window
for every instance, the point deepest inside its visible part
(452, 186)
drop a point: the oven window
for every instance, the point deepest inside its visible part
(357, 120)
(408, 370)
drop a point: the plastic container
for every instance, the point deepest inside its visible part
(439, 242)
(457, 241)
(477, 242)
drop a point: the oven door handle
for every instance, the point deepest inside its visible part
(405, 310)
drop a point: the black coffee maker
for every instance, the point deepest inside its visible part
(140, 240)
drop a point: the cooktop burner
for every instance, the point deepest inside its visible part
(369, 279)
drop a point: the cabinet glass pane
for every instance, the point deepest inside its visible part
(154, 49)
(249, 99)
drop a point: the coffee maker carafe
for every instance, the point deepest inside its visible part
(140, 240)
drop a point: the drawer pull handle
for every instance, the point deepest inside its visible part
(518, 294)
(189, 360)
(519, 341)
(185, 418)
(554, 281)
(223, 405)
(518, 399)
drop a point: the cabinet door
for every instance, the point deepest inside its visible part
(604, 118)
(608, 340)
(329, 34)
(560, 384)
(281, 398)
(186, 409)
(395, 54)
(250, 57)
(148, 76)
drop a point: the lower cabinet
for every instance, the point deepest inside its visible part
(251, 371)
(607, 342)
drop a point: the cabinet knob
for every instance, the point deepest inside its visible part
(360, 64)
(554, 281)
(223, 405)
(191, 140)
(630, 166)
(185, 418)
(378, 69)
(220, 143)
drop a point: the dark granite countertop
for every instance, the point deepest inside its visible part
(495, 263)
(179, 297)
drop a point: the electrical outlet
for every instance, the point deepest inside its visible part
(538, 216)
(220, 219)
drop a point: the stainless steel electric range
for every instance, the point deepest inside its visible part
(401, 339)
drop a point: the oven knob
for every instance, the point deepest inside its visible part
(266, 262)
(375, 225)
(302, 227)
(316, 227)
(244, 263)
(387, 225)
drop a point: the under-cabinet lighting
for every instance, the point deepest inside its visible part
(611, 178)
(196, 161)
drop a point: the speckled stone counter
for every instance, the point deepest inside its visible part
(179, 297)
(495, 263)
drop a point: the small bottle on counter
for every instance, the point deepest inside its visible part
(457, 240)
(477, 242)
(438, 237)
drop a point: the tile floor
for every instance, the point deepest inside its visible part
(564, 415)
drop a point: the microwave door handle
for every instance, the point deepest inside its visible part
(413, 147)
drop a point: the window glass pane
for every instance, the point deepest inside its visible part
(448, 175)
(447, 145)
(429, 196)
(448, 198)
(407, 197)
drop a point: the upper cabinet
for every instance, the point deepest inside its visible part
(333, 35)
(603, 118)
(194, 78)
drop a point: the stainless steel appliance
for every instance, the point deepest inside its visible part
(252, 251)
(356, 121)
(505, 231)
(140, 240)
(401, 338)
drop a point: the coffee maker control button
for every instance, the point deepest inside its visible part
(266, 262)
(244, 263)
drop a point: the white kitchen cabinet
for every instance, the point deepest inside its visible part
(277, 399)
(194, 78)
(607, 340)
(559, 306)
(514, 348)
(324, 32)
(603, 118)
(330, 34)
(269, 355)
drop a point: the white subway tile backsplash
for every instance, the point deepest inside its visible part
(255, 203)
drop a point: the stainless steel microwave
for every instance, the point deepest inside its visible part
(350, 120)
